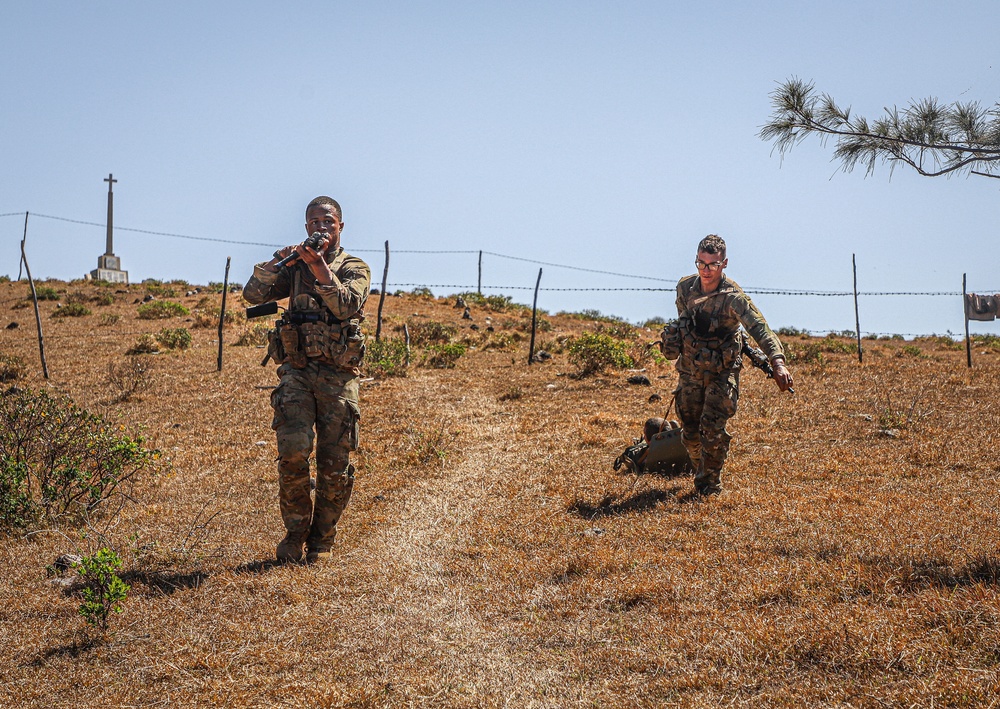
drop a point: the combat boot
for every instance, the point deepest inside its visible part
(333, 492)
(289, 548)
(314, 556)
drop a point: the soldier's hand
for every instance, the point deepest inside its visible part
(278, 256)
(782, 377)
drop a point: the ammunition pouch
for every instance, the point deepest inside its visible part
(670, 341)
(714, 353)
(302, 336)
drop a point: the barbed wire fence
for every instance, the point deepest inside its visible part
(668, 285)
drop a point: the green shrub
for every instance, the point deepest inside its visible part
(103, 589)
(71, 310)
(500, 303)
(422, 292)
(809, 353)
(444, 355)
(178, 338)
(942, 341)
(656, 323)
(473, 298)
(990, 341)
(4, 279)
(253, 335)
(830, 343)
(161, 309)
(209, 317)
(109, 319)
(146, 344)
(45, 293)
(60, 462)
(77, 297)
(910, 351)
(386, 358)
(789, 331)
(157, 288)
(423, 333)
(618, 329)
(11, 367)
(103, 299)
(593, 352)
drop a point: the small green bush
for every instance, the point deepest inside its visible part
(253, 335)
(910, 351)
(386, 358)
(789, 331)
(830, 343)
(108, 319)
(60, 462)
(71, 310)
(157, 288)
(990, 341)
(209, 317)
(423, 333)
(146, 344)
(44, 293)
(103, 590)
(593, 352)
(4, 279)
(444, 355)
(656, 323)
(473, 298)
(103, 299)
(11, 367)
(178, 338)
(161, 309)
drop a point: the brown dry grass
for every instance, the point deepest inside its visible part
(490, 556)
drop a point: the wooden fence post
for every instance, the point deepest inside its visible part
(857, 319)
(23, 239)
(381, 296)
(479, 280)
(965, 312)
(406, 340)
(534, 319)
(222, 315)
(38, 317)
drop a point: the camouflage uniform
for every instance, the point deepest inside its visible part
(318, 390)
(709, 367)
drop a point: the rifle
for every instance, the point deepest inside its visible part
(759, 360)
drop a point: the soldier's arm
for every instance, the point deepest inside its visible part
(266, 285)
(754, 323)
(348, 291)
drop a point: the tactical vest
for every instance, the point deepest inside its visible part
(709, 344)
(308, 330)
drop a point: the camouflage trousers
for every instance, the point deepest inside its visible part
(704, 405)
(316, 403)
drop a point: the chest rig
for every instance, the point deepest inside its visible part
(308, 330)
(711, 338)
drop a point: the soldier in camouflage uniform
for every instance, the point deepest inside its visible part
(318, 345)
(707, 341)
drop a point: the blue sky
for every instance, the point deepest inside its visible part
(609, 136)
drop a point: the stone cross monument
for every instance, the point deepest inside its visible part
(109, 265)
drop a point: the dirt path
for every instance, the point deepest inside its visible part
(425, 617)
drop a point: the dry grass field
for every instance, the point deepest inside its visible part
(491, 557)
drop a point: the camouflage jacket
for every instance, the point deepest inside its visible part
(710, 326)
(345, 301)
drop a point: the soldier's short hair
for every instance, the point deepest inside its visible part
(713, 244)
(326, 200)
